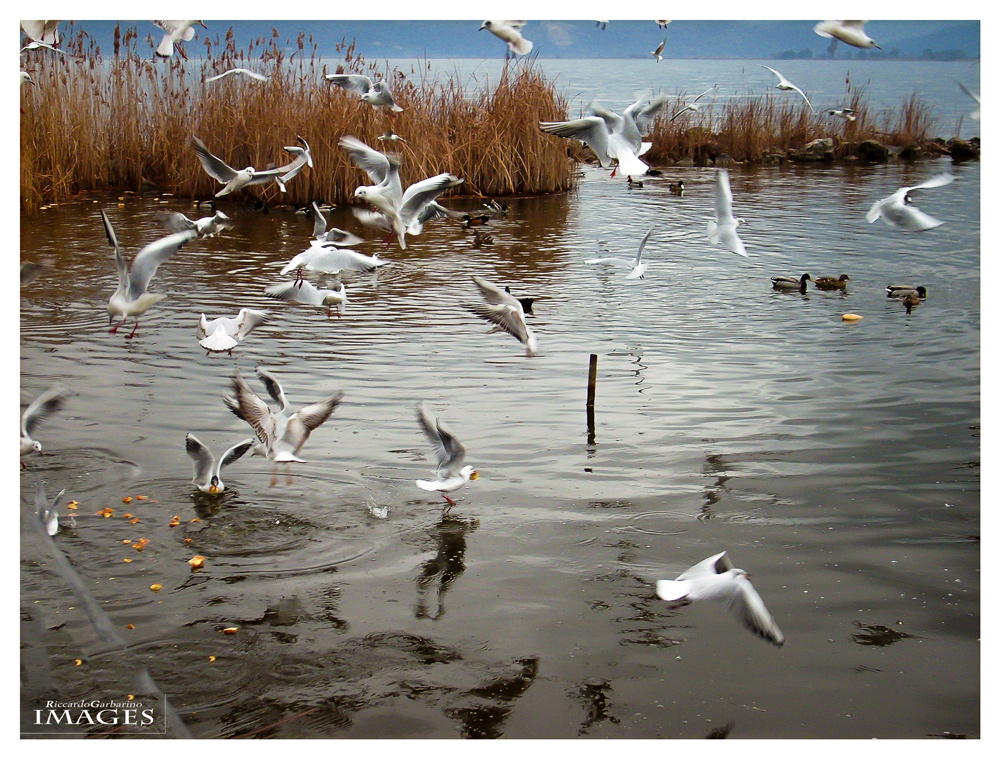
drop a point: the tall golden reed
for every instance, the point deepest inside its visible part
(126, 121)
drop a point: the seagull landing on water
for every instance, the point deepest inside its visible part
(510, 32)
(659, 49)
(375, 94)
(225, 333)
(451, 473)
(715, 579)
(131, 297)
(850, 32)
(49, 402)
(637, 266)
(208, 471)
(245, 72)
(723, 228)
(176, 31)
(504, 311)
(784, 84)
(898, 210)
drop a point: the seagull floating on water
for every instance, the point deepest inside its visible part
(659, 49)
(452, 473)
(131, 297)
(715, 579)
(504, 311)
(49, 402)
(245, 72)
(898, 210)
(636, 266)
(208, 471)
(510, 32)
(784, 84)
(724, 228)
(176, 31)
(850, 32)
(376, 94)
(225, 333)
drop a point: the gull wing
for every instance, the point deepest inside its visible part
(204, 461)
(213, 165)
(747, 604)
(49, 402)
(936, 181)
(123, 278)
(713, 565)
(803, 97)
(273, 388)
(592, 131)
(353, 82)
(875, 211)
(248, 320)
(449, 452)
(493, 294)
(508, 318)
(642, 245)
(644, 116)
(618, 261)
(319, 224)
(723, 197)
(773, 71)
(235, 452)
(249, 407)
(175, 221)
(421, 193)
(968, 92)
(149, 259)
(374, 163)
(308, 418)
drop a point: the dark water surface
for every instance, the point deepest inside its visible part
(837, 462)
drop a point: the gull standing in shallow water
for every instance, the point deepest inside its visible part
(898, 210)
(784, 84)
(715, 579)
(224, 333)
(723, 229)
(637, 266)
(505, 312)
(49, 402)
(375, 94)
(510, 32)
(451, 473)
(281, 436)
(131, 297)
(208, 472)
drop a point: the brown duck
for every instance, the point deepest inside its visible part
(829, 283)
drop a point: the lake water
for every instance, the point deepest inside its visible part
(837, 462)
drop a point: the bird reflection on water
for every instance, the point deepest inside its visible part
(445, 566)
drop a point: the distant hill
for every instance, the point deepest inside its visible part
(581, 39)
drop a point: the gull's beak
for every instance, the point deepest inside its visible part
(483, 26)
(214, 490)
(203, 24)
(474, 476)
(874, 45)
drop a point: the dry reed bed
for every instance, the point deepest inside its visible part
(127, 121)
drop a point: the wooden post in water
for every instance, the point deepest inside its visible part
(591, 392)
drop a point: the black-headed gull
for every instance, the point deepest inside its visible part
(693, 105)
(637, 267)
(208, 471)
(329, 259)
(784, 84)
(789, 284)
(505, 312)
(235, 180)
(847, 114)
(723, 228)
(49, 402)
(207, 226)
(242, 72)
(303, 291)
(225, 333)
(510, 32)
(625, 133)
(46, 512)
(850, 32)
(176, 31)
(659, 50)
(715, 579)
(373, 93)
(281, 435)
(592, 131)
(451, 472)
(898, 210)
(323, 234)
(131, 297)
(402, 209)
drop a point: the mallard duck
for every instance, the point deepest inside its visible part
(677, 188)
(829, 283)
(901, 291)
(481, 238)
(475, 220)
(790, 283)
(633, 184)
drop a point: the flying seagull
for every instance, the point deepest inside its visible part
(784, 84)
(898, 210)
(452, 472)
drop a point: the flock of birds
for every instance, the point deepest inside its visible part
(281, 432)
